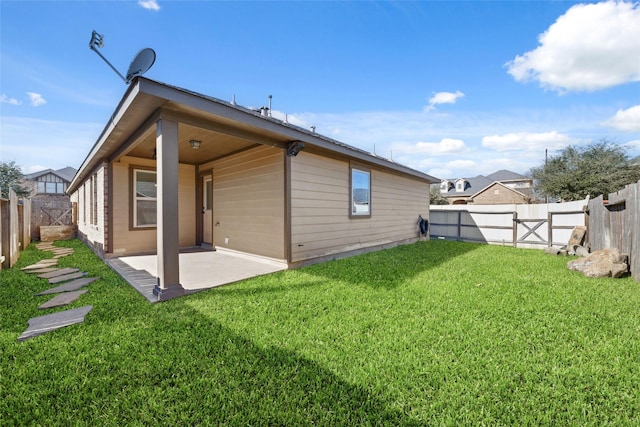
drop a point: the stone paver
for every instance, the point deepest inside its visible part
(41, 264)
(58, 272)
(70, 286)
(68, 292)
(42, 270)
(63, 299)
(49, 322)
(66, 277)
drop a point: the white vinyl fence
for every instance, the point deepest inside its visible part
(522, 226)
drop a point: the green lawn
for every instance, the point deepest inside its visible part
(435, 333)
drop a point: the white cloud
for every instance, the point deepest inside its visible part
(36, 99)
(590, 47)
(626, 120)
(149, 4)
(289, 118)
(445, 146)
(444, 98)
(4, 98)
(525, 141)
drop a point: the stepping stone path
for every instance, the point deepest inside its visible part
(72, 280)
(50, 322)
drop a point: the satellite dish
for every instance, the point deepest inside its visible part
(141, 63)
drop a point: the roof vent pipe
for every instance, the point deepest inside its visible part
(270, 97)
(313, 129)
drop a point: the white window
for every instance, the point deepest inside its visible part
(444, 186)
(360, 193)
(144, 198)
(460, 186)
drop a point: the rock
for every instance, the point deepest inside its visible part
(602, 263)
(580, 251)
(577, 235)
(619, 270)
(551, 250)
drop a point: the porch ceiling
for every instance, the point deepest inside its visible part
(214, 145)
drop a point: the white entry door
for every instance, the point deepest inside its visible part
(207, 210)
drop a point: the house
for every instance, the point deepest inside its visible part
(49, 183)
(176, 169)
(50, 205)
(501, 187)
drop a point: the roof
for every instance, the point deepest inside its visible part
(506, 175)
(146, 101)
(473, 185)
(66, 174)
(496, 183)
(476, 184)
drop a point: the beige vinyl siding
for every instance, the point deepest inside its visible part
(131, 241)
(248, 202)
(320, 203)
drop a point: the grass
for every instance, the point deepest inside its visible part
(435, 333)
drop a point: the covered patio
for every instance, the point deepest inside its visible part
(199, 269)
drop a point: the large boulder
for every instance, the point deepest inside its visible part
(602, 263)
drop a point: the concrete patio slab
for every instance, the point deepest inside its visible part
(68, 287)
(50, 322)
(198, 269)
(63, 299)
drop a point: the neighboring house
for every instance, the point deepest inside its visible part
(175, 169)
(501, 187)
(49, 183)
(50, 205)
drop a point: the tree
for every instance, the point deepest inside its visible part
(599, 168)
(435, 197)
(11, 177)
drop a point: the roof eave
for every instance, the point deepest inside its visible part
(101, 148)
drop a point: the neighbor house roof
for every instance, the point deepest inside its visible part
(146, 100)
(499, 184)
(478, 183)
(473, 185)
(506, 175)
(65, 173)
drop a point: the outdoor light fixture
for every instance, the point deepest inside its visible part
(195, 144)
(294, 148)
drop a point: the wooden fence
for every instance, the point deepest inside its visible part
(524, 226)
(615, 223)
(15, 228)
(50, 211)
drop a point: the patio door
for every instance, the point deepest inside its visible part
(207, 210)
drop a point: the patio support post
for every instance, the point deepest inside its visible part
(168, 285)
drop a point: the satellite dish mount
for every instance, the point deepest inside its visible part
(140, 64)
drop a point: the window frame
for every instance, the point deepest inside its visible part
(359, 168)
(133, 211)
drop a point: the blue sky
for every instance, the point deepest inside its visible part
(454, 89)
